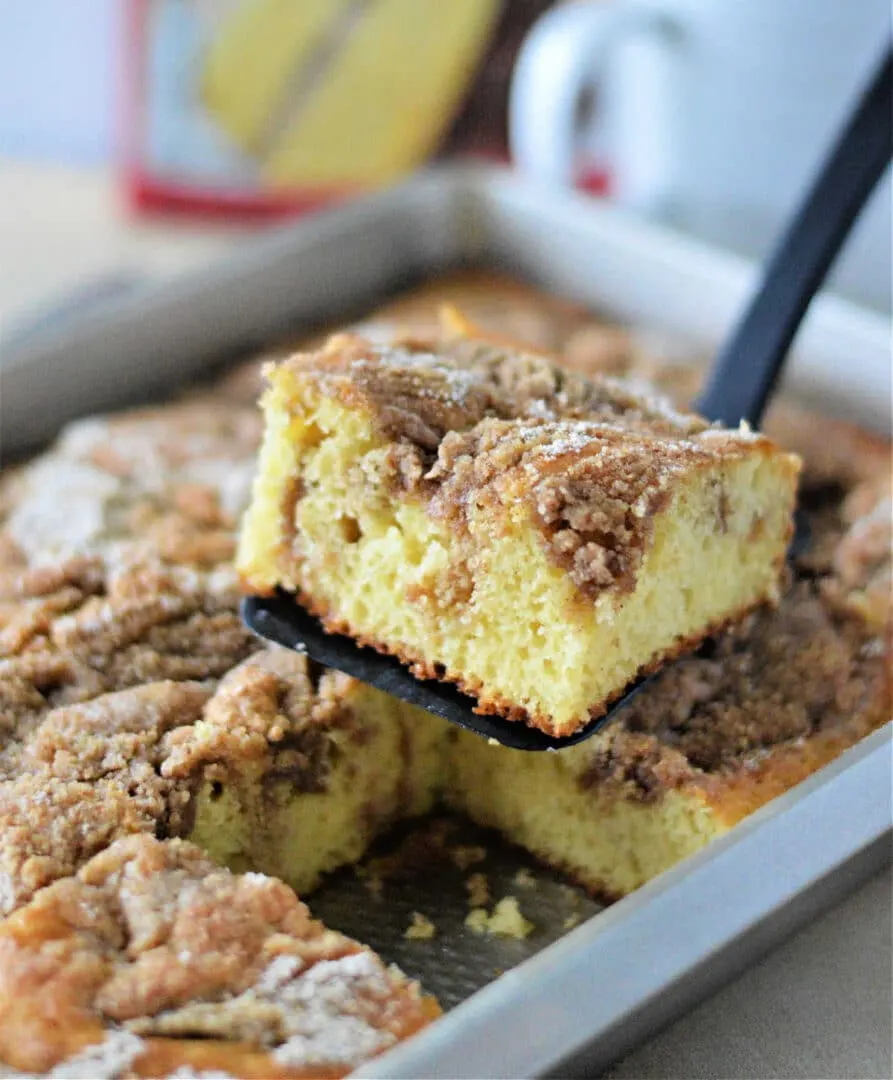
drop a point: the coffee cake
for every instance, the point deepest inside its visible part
(140, 723)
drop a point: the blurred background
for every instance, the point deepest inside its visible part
(146, 136)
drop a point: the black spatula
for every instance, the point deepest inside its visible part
(739, 386)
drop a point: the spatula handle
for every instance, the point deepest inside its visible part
(746, 371)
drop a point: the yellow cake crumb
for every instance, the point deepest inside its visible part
(506, 920)
(477, 920)
(420, 928)
(478, 890)
(281, 770)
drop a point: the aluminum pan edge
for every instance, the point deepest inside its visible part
(346, 257)
(678, 926)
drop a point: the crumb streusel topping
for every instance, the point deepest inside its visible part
(595, 458)
(152, 939)
(118, 638)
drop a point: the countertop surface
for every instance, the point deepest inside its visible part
(819, 1006)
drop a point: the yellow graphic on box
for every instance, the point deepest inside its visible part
(343, 92)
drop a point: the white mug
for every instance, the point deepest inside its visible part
(710, 114)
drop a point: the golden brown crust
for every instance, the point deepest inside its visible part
(800, 670)
(790, 688)
(116, 550)
(834, 623)
(118, 614)
(83, 777)
(152, 941)
(823, 657)
(419, 390)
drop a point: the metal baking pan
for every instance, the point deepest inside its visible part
(613, 980)
(342, 262)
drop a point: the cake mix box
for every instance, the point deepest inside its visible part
(266, 107)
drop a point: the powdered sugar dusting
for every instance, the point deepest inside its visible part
(64, 509)
(103, 1061)
(744, 433)
(649, 398)
(570, 439)
(254, 878)
(231, 480)
(459, 381)
(378, 332)
(106, 479)
(186, 1073)
(354, 967)
(282, 970)
(325, 1019)
(8, 893)
(341, 1040)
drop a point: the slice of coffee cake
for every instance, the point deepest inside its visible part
(153, 961)
(537, 538)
